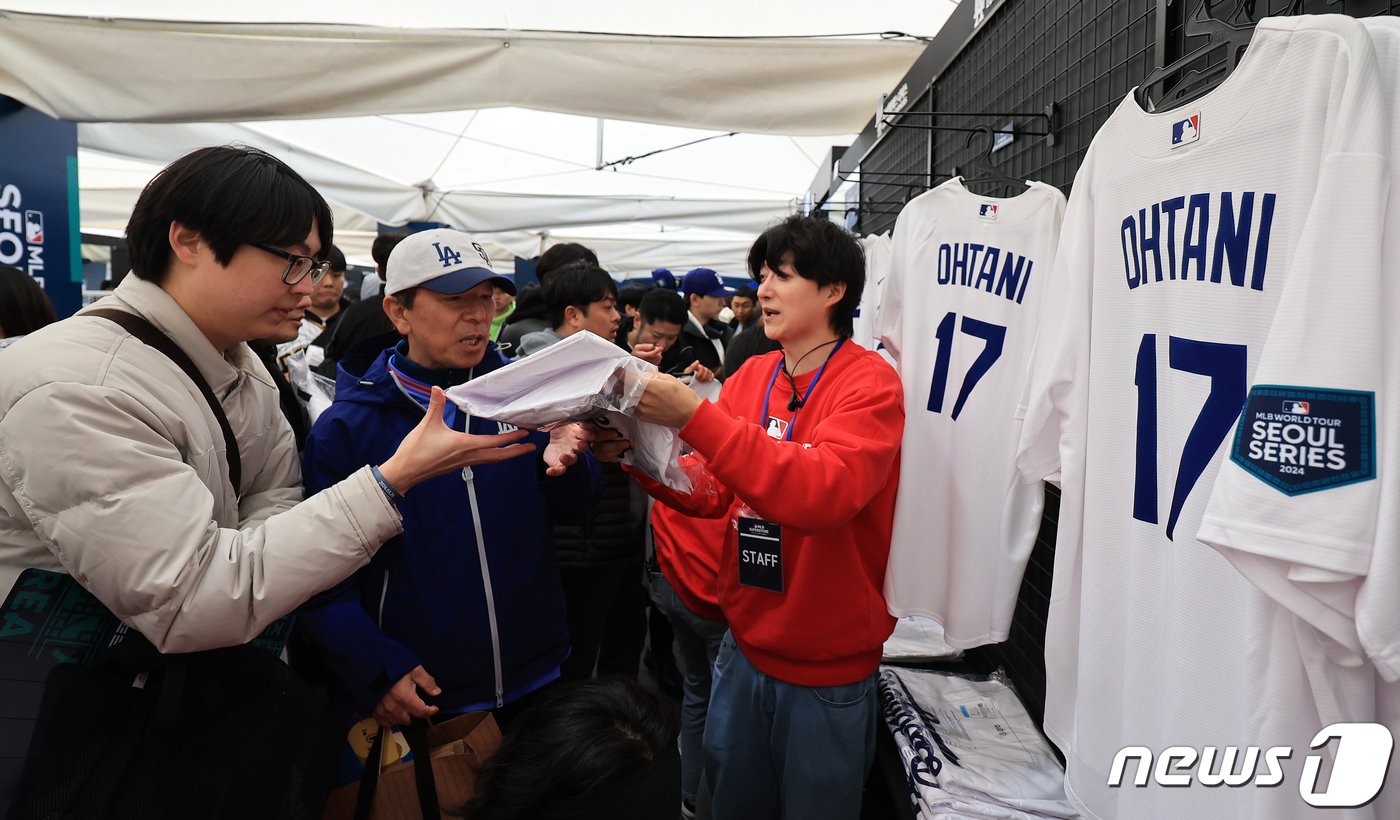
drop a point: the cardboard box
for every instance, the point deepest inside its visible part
(459, 746)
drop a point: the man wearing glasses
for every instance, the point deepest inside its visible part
(114, 468)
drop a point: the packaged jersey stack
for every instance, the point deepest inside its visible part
(970, 749)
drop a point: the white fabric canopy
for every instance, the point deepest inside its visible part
(490, 158)
(124, 70)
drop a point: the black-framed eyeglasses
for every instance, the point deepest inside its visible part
(298, 266)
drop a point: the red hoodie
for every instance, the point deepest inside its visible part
(832, 490)
(688, 552)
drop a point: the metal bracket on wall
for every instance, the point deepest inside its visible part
(1050, 117)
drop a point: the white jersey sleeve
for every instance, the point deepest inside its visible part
(1297, 505)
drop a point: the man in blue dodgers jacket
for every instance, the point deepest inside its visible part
(463, 611)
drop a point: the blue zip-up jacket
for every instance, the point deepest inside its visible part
(487, 635)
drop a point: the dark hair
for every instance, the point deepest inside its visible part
(580, 285)
(24, 307)
(632, 295)
(750, 342)
(384, 245)
(336, 258)
(231, 195)
(585, 748)
(562, 255)
(748, 292)
(821, 251)
(662, 305)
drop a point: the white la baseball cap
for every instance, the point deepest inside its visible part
(442, 260)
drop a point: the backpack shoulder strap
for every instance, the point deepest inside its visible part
(142, 329)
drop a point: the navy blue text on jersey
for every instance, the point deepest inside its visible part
(1219, 238)
(973, 265)
(1303, 439)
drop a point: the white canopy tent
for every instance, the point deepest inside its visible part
(481, 117)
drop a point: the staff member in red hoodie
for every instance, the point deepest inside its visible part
(801, 455)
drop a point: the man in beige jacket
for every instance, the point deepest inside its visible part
(112, 465)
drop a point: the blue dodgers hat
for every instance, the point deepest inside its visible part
(442, 260)
(665, 279)
(704, 282)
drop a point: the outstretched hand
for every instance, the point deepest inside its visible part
(432, 449)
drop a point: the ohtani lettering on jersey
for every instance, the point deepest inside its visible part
(984, 267)
(1193, 246)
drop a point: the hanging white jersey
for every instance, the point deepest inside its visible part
(960, 313)
(1298, 506)
(877, 268)
(1189, 233)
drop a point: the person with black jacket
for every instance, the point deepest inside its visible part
(703, 332)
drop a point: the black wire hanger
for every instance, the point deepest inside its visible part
(981, 169)
(1224, 33)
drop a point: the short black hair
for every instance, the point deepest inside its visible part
(632, 295)
(24, 307)
(819, 250)
(384, 245)
(558, 256)
(662, 305)
(337, 259)
(580, 285)
(233, 196)
(595, 748)
(746, 291)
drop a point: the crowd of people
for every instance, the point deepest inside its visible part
(438, 563)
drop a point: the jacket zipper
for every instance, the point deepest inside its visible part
(486, 584)
(383, 596)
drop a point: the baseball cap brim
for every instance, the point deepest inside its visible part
(461, 281)
(719, 291)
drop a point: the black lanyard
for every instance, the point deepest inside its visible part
(813, 386)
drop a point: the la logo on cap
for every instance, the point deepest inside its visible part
(446, 255)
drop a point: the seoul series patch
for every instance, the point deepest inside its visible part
(1304, 439)
(1186, 131)
(987, 211)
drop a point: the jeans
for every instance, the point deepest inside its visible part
(695, 645)
(776, 749)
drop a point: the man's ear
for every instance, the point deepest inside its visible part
(397, 313)
(573, 317)
(186, 243)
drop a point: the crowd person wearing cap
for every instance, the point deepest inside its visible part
(800, 457)
(531, 313)
(703, 332)
(464, 610)
(505, 307)
(115, 468)
(363, 320)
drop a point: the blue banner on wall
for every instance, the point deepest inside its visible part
(39, 231)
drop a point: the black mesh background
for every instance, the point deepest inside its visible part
(1084, 56)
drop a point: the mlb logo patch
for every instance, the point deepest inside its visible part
(1296, 408)
(1186, 131)
(987, 211)
(34, 227)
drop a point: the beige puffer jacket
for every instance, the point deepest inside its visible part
(112, 468)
